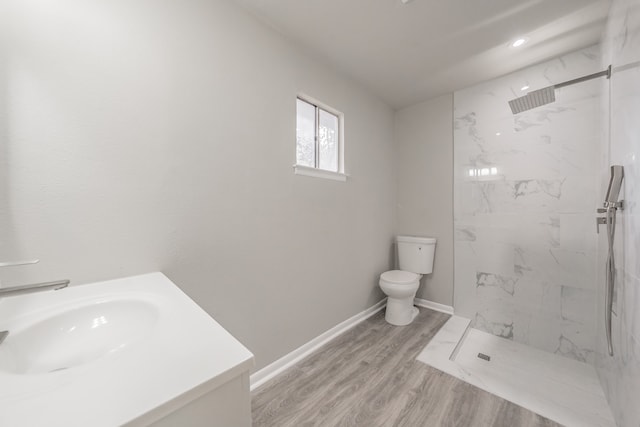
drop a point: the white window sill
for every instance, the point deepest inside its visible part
(319, 173)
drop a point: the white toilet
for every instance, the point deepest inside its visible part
(415, 258)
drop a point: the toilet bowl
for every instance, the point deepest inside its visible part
(415, 258)
(400, 288)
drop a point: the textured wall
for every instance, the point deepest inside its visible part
(525, 242)
(160, 135)
(423, 138)
(620, 375)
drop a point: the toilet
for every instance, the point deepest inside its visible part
(415, 258)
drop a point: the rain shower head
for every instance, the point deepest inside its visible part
(534, 99)
(547, 95)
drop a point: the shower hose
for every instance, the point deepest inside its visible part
(610, 273)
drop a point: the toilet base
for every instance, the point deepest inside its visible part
(400, 311)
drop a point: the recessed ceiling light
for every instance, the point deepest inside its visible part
(498, 134)
(525, 87)
(519, 42)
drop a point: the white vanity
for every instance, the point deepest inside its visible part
(134, 351)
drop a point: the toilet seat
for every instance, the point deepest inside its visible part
(399, 277)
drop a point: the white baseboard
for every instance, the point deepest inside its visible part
(268, 372)
(433, 305)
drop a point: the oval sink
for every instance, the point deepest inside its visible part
(77, 336)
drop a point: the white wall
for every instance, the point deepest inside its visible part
(160, 135)
(423, 137)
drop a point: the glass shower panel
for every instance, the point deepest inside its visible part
(524, 191)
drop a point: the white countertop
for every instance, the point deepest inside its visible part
(184, 354)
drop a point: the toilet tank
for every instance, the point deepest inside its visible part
(415, 254)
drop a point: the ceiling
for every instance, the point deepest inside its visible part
(406, 53)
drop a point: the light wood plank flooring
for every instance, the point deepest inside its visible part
(369, 377)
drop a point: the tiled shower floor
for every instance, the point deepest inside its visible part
(561, 389)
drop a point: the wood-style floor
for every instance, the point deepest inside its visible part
(369, 377)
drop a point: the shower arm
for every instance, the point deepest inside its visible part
(606, 73)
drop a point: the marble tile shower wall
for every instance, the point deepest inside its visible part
(620, 374)
(525, 197)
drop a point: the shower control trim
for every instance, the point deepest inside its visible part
(602, 220)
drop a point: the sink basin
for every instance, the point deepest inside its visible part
(77, 336)
(134, 351)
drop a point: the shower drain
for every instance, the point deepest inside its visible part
(484, 357)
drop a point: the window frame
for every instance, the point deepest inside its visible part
(315, 171)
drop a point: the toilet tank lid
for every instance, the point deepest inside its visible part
(416, 239)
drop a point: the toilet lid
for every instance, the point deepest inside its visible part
(399, 276)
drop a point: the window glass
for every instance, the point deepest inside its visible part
(328, 141)
(305, 134)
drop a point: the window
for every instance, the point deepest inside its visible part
(318, 140)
